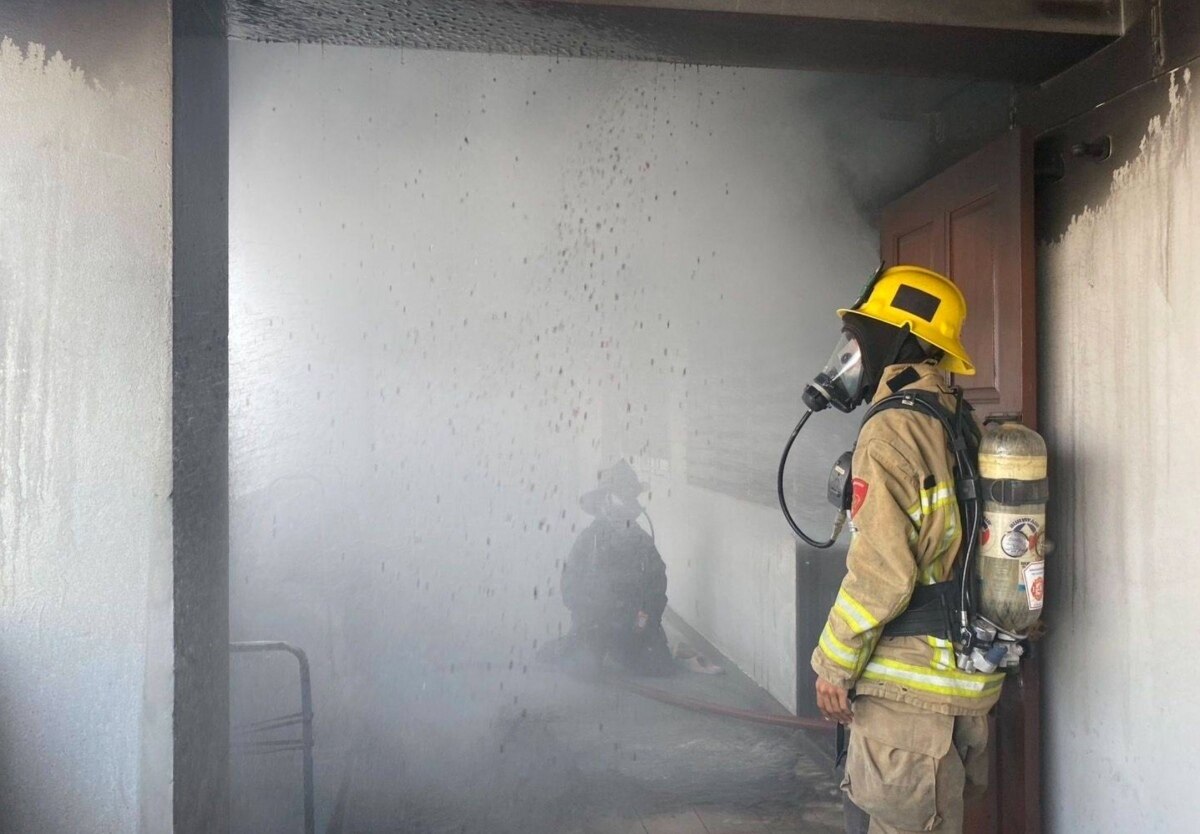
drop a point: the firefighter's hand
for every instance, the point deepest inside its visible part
(834, 702)
(641, 621)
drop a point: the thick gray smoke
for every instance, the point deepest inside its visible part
(461, 285)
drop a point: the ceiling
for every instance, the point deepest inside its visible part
(1022, 41)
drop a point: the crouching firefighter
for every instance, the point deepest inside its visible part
(897, 656)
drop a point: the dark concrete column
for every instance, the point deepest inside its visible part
(200, 181)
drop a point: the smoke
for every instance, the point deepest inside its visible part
(461, 285)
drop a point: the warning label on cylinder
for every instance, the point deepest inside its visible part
(1034, 575)
(1011, 536)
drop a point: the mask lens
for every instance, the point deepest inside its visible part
(844, 368)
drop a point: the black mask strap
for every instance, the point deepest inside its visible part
(902, 334)
(903, 379)
(889, 357)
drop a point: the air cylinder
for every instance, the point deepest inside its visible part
(1013, 545)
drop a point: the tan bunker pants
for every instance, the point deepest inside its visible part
(910, 769)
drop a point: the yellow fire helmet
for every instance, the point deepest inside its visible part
(932, 307)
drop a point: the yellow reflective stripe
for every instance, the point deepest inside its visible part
(951, 530)
(943, 657)
(914, 513)
(930, 499)
(936, 496)
(942, 682)
(837, 651)
(930, 574)
(852, 611)
(934, 572)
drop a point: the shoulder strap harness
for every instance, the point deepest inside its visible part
(938, 609)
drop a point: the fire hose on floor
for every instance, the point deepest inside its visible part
(790, 722)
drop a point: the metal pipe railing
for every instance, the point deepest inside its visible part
(304, 718)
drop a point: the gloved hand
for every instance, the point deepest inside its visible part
(834, 702)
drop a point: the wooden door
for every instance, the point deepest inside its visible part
(974, 224)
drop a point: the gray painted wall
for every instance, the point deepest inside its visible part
(460, 285)
(85, 435)
(1120, 290)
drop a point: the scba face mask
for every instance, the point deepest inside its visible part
(905, 314)
(840, 383)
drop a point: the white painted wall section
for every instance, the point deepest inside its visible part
(85, 437)
(1121, 336)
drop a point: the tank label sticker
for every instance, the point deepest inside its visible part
(859, 496)
(1034, 574)
(1021, 537)
(1011, 536)
(1014, 543)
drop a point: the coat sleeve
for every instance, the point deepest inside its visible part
(881, 565)
(654, 583)
(575, 567)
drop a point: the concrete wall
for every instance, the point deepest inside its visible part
(85, 433)
(200, 426)
(1119, 268)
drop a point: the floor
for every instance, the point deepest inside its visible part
(560, 754)
(421, 744)
(717, 820)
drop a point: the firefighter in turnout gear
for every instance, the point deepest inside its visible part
(918, 725)
(615, 582)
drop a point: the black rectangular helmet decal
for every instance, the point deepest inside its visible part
(915, 301)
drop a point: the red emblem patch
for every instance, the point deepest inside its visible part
(1037, 589)
(860, 495)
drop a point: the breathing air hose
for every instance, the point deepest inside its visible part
(838, 523)
(650, 523)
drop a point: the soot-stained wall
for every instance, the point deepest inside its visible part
(1120, 290)
(85, 438)
(463, 284)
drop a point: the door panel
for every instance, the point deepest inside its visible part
(972, 262)
(916, 246)
(974, 223)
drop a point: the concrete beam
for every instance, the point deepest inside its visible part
(714, 32)
(1154, 46)
(1080, 17)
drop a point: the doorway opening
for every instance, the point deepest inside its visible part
(476, 263)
